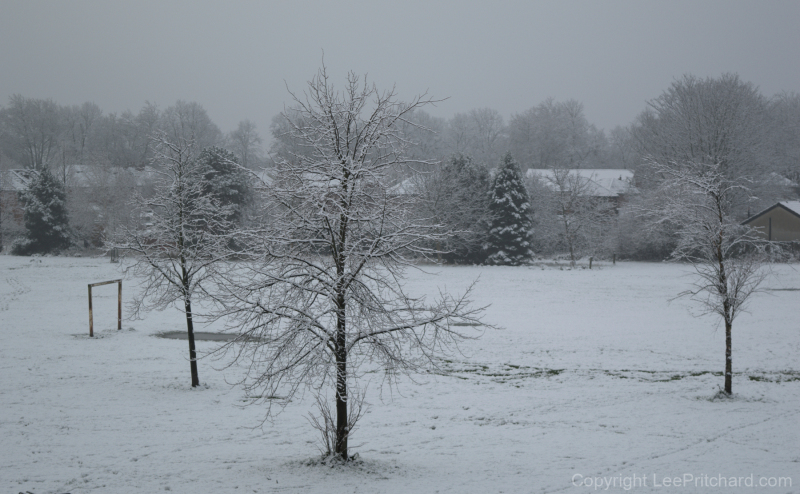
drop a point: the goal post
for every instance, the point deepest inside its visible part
(119, 304)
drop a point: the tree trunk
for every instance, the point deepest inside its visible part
(728, 359)
(187, 307)
(571, 254)
(341, 394)
(187, 304)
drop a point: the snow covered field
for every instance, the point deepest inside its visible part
(594, 375)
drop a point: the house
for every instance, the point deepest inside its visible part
(780, 222)
(12, 182)
(611, 184)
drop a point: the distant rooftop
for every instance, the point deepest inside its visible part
(17, 180)
(603, 182)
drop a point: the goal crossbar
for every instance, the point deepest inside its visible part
(119, 304)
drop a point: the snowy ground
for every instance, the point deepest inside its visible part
(595, 374)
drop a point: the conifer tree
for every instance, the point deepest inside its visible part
(225, 180)
(510, 229)
(461, 203)
(45, 217)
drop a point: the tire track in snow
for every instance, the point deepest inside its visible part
(17, 288)
(615, 468)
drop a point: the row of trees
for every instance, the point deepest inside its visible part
(552, 134)
(38, 133)
(714, 120)
(100, 159)
(46, 219)
(701, 118)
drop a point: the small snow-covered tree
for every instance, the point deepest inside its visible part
(320, 302)
(175, 243)
(699, 201)
(45, 216)
(508, 241)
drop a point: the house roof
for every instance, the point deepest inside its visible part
(87, 175)
(792, 207)
(602, 182)
(16, 180)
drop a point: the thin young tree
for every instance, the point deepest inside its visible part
(176, 241)
(323, 302)
(698, 200)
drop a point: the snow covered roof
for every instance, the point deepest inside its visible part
(404, 187)
(780, 180)
(17, 180)
(86, 175)
(791, 206)
(603, 182)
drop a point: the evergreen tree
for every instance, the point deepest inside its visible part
(463, 206)
(45, 217)
(225, 180)
(510, 229)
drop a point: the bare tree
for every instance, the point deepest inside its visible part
(324, 301)
(33, 127)
(718, 121)
(555, 135)
(569, 211)
(427, 135)
(190, 121)
(246, 143)
(784, 115)
(479, 134)
(698, 199)
(174, 246)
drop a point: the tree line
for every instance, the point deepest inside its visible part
(99, 159)
(693, 119)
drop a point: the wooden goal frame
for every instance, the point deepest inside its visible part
(119, 304)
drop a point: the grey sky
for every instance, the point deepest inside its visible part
(233, 57)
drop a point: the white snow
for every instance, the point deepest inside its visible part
(595, 374)
(792, 206)
(602, 182)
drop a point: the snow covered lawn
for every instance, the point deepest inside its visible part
(594, 375)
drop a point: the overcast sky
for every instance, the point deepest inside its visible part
(236, 58)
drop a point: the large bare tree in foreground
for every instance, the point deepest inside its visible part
(699, 199)
(323, 304)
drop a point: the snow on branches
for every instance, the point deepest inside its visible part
(509, 236)
(698, 200)
(320, 299)
(181, 233)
